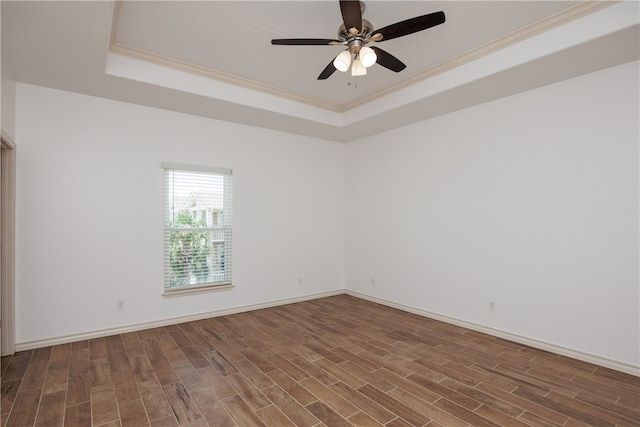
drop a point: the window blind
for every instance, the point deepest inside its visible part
(197, 226)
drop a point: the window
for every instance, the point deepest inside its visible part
(197, 227)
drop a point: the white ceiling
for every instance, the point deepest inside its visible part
(214, 58)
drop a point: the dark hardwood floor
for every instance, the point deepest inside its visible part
(336, 361)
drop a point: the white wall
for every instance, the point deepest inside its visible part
(89, 212)
(529, 201)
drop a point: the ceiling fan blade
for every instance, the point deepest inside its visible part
(305, 42)
(388, 61)
(328, 70)
(411, 26)
(351, 14)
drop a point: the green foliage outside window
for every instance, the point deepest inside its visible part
(189, 251)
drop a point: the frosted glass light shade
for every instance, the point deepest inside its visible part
(357, 69)
(342, 61)
(368, 56)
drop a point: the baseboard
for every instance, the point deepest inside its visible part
(531, 342)
(29, 345)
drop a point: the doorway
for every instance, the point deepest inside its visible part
(7, 246)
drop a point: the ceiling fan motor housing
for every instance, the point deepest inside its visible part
(358, 41)
(344, 34)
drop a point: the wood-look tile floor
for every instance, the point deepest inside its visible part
(336, 361)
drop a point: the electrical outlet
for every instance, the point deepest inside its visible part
(300, 281)
(492, 306)
(373, 281)
(120, 304)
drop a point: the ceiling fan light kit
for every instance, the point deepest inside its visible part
(342, 61)
(357, 69)
(364, 59)
(367, 56)
(356, 32)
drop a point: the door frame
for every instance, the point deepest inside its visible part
(8, 244)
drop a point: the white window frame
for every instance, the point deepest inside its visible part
(224, 229)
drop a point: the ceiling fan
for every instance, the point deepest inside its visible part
(355, 33)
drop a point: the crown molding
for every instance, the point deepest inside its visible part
(553, 21)
(558, 19)
(186, 67)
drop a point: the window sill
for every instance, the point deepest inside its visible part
(196, 291)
